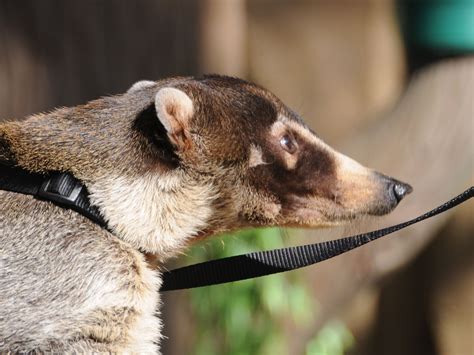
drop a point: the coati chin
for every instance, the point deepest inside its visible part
(165, 163)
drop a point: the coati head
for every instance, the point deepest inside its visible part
(190, 157)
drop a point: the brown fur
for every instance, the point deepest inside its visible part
(166, 163)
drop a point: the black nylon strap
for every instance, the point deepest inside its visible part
(62, 189)
(246, 266)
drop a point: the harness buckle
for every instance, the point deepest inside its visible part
(62, 188)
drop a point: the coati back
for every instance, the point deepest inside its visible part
(165, 163)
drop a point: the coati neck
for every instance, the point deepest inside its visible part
(87, 141)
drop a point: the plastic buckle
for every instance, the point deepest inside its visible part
(61, 180)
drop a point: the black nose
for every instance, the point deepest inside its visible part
(400, 189)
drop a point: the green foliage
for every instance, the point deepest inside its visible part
(333, 339)
(248, 317)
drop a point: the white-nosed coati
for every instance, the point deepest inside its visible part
(166, 162)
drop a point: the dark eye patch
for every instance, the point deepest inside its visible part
(315, 160)
(314, 175)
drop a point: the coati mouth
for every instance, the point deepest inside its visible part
(380, 197)
(373, 194)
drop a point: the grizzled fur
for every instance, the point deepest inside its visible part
(166, 163)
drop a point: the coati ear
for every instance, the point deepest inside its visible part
(174, 110)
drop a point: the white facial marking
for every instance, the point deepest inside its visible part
(256, 158)
(139, 85)
(350, 166)
(278, 128)
(307, 135)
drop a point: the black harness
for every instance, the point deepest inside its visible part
(62, 189)
(66, 191)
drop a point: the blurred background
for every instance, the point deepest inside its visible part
(389, 83)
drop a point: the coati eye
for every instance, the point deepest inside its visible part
(288, 143)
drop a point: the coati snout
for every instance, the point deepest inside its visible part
(266, 165)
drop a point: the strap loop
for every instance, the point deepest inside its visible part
(61, 188)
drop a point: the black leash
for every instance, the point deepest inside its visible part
(251, 265)
(66, 191)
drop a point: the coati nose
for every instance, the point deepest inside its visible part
(395, 189)
(400, 190)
